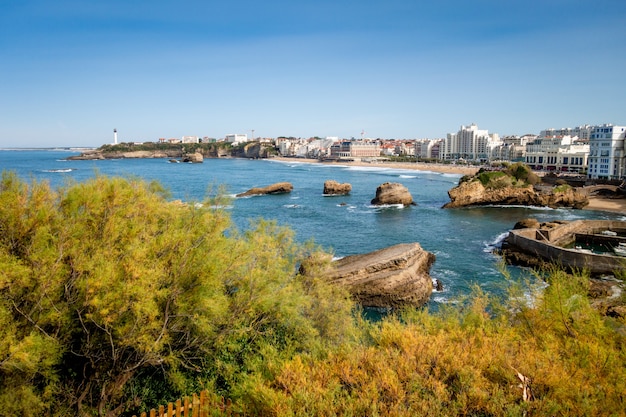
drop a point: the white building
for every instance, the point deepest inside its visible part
(583, 133)
(235, 138)
(556, 153)
(606, 152)
(428, 148)
(190, 139)
(470, 143)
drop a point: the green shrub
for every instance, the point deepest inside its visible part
(109, 294)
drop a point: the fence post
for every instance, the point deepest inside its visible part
(204, 406)
(187, 407)
(194, 409)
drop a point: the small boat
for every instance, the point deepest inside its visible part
(620, 249)
(583, 250)
(608, 233)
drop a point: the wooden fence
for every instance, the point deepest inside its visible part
(196, 406)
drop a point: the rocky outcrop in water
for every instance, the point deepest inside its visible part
(473, 193)
(332, 187)
(195, 158)
(391, 277)
(392, 193)
(277, 188)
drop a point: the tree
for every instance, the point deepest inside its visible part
(106, 282)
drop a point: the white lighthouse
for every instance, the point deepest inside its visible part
(115, 136)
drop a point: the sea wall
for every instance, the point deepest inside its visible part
(544, 244)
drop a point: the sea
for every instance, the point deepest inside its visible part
(463, 240)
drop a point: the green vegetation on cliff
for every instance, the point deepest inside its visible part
(514, 175)
(114, 300)
(158, 146)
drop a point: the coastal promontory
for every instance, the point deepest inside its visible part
(181, 152)
(514, 185)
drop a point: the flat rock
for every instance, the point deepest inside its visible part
(277, 188)
(391, 277)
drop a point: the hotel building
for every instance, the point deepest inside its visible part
(606, 152)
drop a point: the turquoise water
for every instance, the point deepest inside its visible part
(461, 239)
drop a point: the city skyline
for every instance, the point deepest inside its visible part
(73, 70)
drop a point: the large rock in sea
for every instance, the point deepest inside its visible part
(332, 187)
(278, 188)
(473, 193)
(195, 158)
(392, 193)
(392, 277)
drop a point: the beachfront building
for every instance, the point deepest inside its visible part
(428, 148)
(513, 148)
(607, 158)
(470, 143)
(289, 146)
(316, 148)
(556, 153)
(355, 149)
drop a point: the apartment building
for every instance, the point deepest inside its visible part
(470, 143)
(428, 148)
(583, 133)
(607, 158)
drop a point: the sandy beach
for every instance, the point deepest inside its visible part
(617, 205)
(420, 166)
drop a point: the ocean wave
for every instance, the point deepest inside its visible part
(292, 206)
(386, 206)
(366, 169)
(59, 170)
(496, 243)
(407, 176)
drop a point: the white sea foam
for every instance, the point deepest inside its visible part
(496, 243)
(407, 176)
(386, 206)
(58, 170)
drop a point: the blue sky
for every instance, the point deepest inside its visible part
(71, 71)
